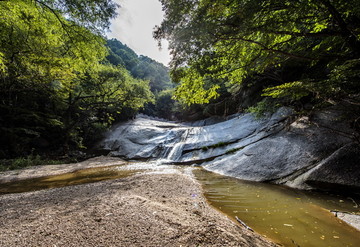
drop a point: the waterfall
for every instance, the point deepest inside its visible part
(176, 151)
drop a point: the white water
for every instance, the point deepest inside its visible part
(176, 152)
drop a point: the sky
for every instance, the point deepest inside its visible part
(134, 26)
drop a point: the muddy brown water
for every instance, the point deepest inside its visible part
(89, 175)
(288, 217)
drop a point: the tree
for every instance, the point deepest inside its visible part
(98, 99)
(39, 60)
(93, 14)
(141, 67)
(55, 83)
(145, 68)
(34, 45)
(237, 39)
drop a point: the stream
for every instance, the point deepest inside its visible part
(287, 216)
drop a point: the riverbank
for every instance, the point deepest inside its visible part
(51, 170)
(147, 209)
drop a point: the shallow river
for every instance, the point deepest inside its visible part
(289, 217)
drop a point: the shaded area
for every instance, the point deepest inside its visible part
(281, 148)
(290, 217)
(89, 175)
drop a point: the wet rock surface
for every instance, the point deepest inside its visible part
(351, 219)
(308, 152)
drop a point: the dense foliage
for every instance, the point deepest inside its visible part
(294, 48)
(92, 14)
(62, 83)
(141, 67)
(145, 68)
(57, 90)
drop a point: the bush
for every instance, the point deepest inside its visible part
(266, 106)
(23, 162)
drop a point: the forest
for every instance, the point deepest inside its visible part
(249, 137)
(62, 83)
(235, 54)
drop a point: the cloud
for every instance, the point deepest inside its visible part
(134, 26)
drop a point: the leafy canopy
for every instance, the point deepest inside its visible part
(92, 14)
(55, 83)
(141, 67)
(235, 39)
(36, 46)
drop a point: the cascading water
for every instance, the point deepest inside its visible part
(267, 149)
(242, 147)
(176, 152)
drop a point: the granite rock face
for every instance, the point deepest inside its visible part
(316, 152)
(141, 138)
(341, 169)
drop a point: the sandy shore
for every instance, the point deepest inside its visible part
(148, 209)
(50, 170)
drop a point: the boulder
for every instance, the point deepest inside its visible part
(339, 171)
(280, 155)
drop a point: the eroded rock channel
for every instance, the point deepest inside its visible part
(317, 152)
(307, 153)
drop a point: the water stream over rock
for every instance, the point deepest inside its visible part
(316, 153)
(302, 153)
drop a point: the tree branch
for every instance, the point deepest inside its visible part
(304, 34)
(265, 48)
(64, 26)
(347, 34)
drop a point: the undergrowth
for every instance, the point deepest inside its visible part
(30, 160)
(266, 106)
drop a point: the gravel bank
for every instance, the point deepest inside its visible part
(164, 209)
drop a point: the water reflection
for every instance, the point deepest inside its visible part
(89, 175)
(289, 217)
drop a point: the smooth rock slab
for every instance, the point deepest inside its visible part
(301, 153)
(339, 171)
(280, 155)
